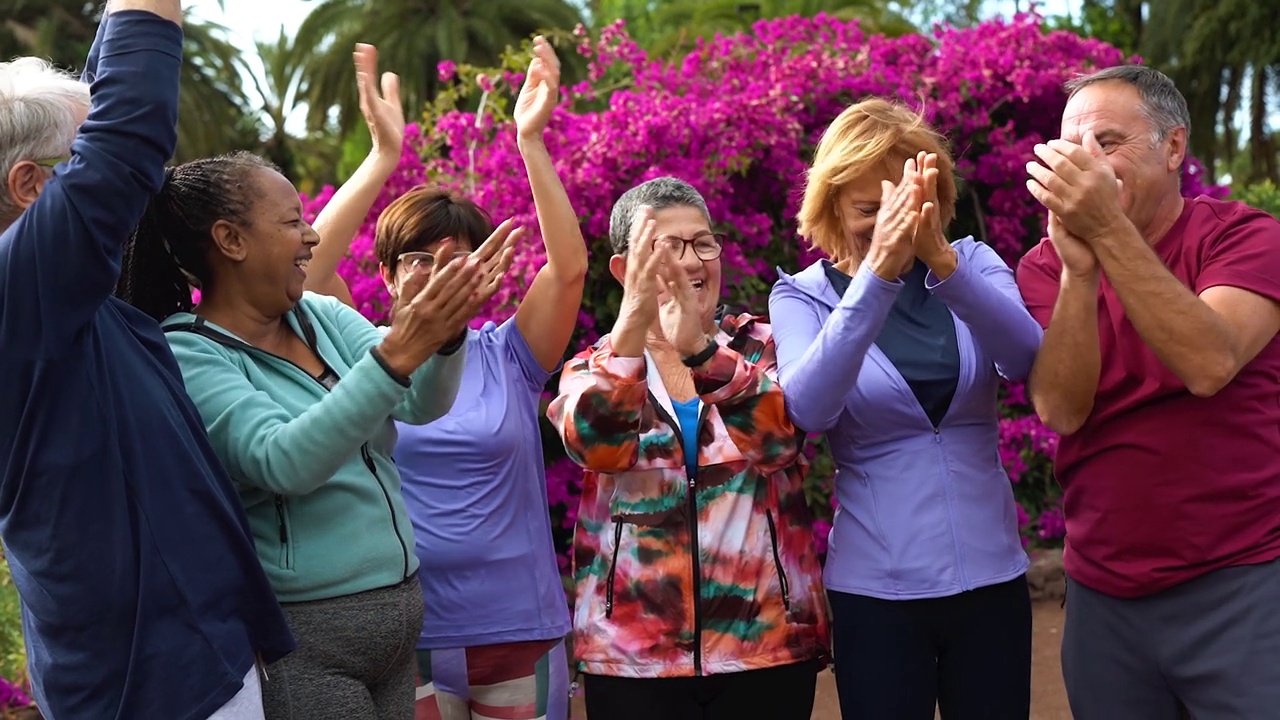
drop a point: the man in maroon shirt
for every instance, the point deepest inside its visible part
(1160, 367)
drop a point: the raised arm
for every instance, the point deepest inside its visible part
(1063, 298)
(260, 442)
(432, 387)
(599, 409)
(819, 362)
(346, 211)
(60, 259)
(549, 311)
(983, 293)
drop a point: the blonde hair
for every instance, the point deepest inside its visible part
(872, 136)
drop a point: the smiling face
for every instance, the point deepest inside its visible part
(1146, 161)
(673, 226)
(271, 249)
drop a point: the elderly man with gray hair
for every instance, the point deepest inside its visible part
(1160, 368)
(142, 594)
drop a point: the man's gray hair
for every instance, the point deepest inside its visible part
(40, 112)
(659, 193)
(1162, 103)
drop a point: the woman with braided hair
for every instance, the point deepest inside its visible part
(299, 393)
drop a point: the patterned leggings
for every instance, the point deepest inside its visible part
(514, 681)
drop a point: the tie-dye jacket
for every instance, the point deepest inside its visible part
(680, 576)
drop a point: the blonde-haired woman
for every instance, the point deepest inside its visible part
(894, 348)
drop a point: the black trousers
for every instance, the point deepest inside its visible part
(969, 655)
(779, 693)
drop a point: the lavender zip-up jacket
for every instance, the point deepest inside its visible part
(923, 513)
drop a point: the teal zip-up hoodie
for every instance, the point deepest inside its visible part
(313, 466)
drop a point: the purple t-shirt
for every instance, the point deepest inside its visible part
(476, 489)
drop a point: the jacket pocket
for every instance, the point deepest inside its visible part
(777, 561)
(286, 533)
(613, 567)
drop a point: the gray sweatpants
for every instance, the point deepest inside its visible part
(355, 658)
(1208, 648)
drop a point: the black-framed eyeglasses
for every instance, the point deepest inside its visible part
(706, 246)
(424, 260)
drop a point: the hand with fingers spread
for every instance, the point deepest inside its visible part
(891, 249)
(382, 110)
(493, 258)
(681, 315)
(1078, 185)
(930, 243)
(540, 93)
(429, 309)
(639, 308)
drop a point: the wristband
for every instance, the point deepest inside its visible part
(706, 354)
(382, 363)
(454, 345)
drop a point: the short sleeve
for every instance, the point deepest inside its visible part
(1039, 274)
(1245, 255)
(517, 350)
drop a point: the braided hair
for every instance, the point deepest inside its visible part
(167, 254)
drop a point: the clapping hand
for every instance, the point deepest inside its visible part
(892, 248)
(429, 307)
(639, 308)
(681, 316)
(494, 257)
(930, 243)
(1078, 186)
(382, 110)
(541, 91)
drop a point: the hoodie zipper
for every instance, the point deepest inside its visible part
(232, 342)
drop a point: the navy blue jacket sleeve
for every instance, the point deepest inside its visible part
(59, 262)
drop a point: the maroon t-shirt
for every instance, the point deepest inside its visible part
(1161, 486)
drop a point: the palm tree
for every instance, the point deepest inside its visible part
(212, 108)
(214, 114)
(1218, 51)
(412, 36)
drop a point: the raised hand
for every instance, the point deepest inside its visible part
(892, 249)
(1077, 185)
(541, 91)
(429, 309)
(493, 263)
(930, 243)
(382, 110)
(681, 316)
(639, 308)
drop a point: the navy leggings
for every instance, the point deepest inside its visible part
(968, 654)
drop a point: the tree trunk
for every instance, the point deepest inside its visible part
(1261, 154)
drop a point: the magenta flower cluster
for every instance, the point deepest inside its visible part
(12, 696)
(738, 117)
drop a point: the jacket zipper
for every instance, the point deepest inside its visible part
(223, 339)
(693, 533)
(395, 526)
(777, 562)
(284, 532)
(613, 568)
(949, 492)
